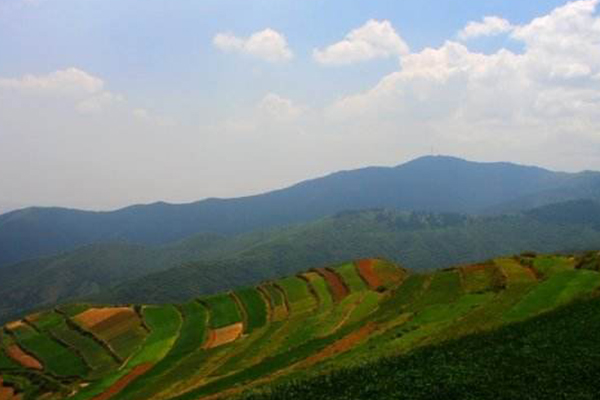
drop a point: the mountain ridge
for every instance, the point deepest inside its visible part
(433, 183)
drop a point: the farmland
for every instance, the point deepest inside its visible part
(297, 335)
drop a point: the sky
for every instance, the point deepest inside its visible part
(107, 103)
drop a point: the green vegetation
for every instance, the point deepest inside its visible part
(95, 356)
(351, 277)
(191, 337)
(512, 362)
(56, 358)
(319, 285)
(254, 307)
(299, 297)
(443, 288)
(222, 309)
(179, 357)
(558, 289)
(549, 265)
(208, 263)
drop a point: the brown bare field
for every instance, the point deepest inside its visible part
(338, 289)
(342, 345)
(221, 336)
(6, 393)
(17, 354)
(366, 271)
(124, 381)
(11, 326)
(94, 316)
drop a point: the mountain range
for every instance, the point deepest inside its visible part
(432, 183)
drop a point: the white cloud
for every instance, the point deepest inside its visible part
(70, 82)
(523, 103)
(268, 45)
(375, 39)
(489, 26)
(279, 108)
(77, 88)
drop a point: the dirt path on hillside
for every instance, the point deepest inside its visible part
(122, 383)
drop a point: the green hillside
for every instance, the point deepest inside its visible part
(205, 264)
(324, 325)
(420, 241)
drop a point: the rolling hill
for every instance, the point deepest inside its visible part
(209, 263)
(325, 324)
(434, 184)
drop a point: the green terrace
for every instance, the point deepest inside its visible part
(278, 332)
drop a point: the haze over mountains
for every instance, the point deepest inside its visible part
(433, 183)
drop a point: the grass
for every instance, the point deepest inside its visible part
(351, 277)
(55, 357)
(223, 310)
(255, 308)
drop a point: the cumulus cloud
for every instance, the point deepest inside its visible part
(84, 91)
(268, 45)
(375, 39)
(537, 97)
(489, 26)
(279, 108)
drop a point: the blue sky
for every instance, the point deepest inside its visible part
(149, 106)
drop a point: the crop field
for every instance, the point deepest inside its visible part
(367, 272)
(299, 297)
(480, 366)
(222, 345)
(255, 308)
(444, 287)
(56, 358)
(389, 274)
(278, 308)
(547, 266)
(223, 310)
(321, 288)
(164, 323)
(559, 289)
(338, 288)
(95, 356)
(192, 335)
(119, 327)
(351, 277)
(515, 272)
(477, 278)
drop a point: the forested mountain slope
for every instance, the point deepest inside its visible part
(208, 263)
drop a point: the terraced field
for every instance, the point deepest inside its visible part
(292, 328)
